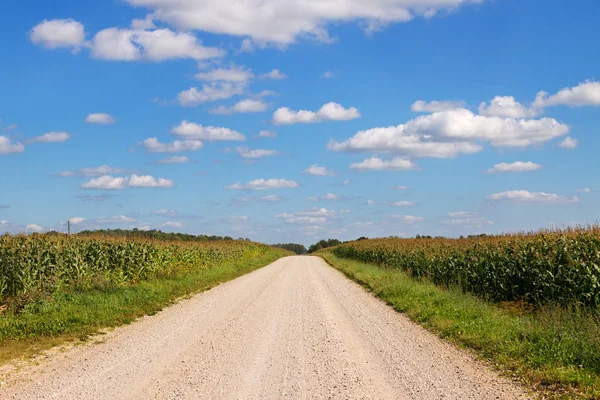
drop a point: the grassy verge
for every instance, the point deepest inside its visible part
(75, 315)
(554, 351)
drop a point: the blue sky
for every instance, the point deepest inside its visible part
(149, 113)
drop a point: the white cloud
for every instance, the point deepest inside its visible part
(154, 146)
(462, 214)
(275, 74)
(143, 23)
(327, 75)
(505, 106)
(400, 187)
(99, 171)
(264, 184)
(524, 196)
(108, 182)
(408, 219)
(247, 153)
(8, 147)
(233, 74)
(435, 106)
(313, 216)
(317, 170)
(448, 134)
(403, 204)
(467, 220)
(267, 134)
(328, 112)
(210, 92)
(377, 164)
(34, 228)
(328, 196)
(190, 130)
(584, 190)
(274, 21)
(175, 160)
(585, 94)
(517, 166)
(152, 45)
(166, 213)
(115, 219)
(56, 33)
(172, 224)
(244, 106)
(147, 181)
(66, 174)
(272, 198)
(568, 143)
(76, 220)
(51, 137)
(100, 118)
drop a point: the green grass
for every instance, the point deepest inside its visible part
(554, 351)
(75, 315)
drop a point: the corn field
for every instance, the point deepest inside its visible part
(561, 267)
(46, 263)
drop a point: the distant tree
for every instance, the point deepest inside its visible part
(296, 248)
(323, 244)
(155, 235)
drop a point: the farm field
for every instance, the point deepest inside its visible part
(528, 303)
(294, 329)
(64, 288)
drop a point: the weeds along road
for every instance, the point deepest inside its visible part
(295, 329)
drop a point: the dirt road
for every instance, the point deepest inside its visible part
(296, 329)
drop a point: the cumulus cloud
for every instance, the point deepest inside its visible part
(505, 106)
(34, 228)
(524, 196)
(172, 224)
(108, 182)
(377, 164)
(190, 130)
(327, 75)
(100, 118)
(233, 74)
(264, 184)
(151, 45)
(51, 137)
(585, 94)
(267, 134)
(147, 181)
(448, 134)
(467, 220)
(244, 106)
(281, 23)
(568, 143)
(178, 146)
(58, 33)
(247, 153)
(275, 74)
(8, 147)
(317, 170)
(400, 187)
(174, 160)
(210, 92)
(584, 190)
(328, 196)
(328, 112)
(517, 166)
(436, 106)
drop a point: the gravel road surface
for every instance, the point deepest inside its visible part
(296, 329)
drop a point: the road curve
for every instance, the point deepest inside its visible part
(296, 329)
